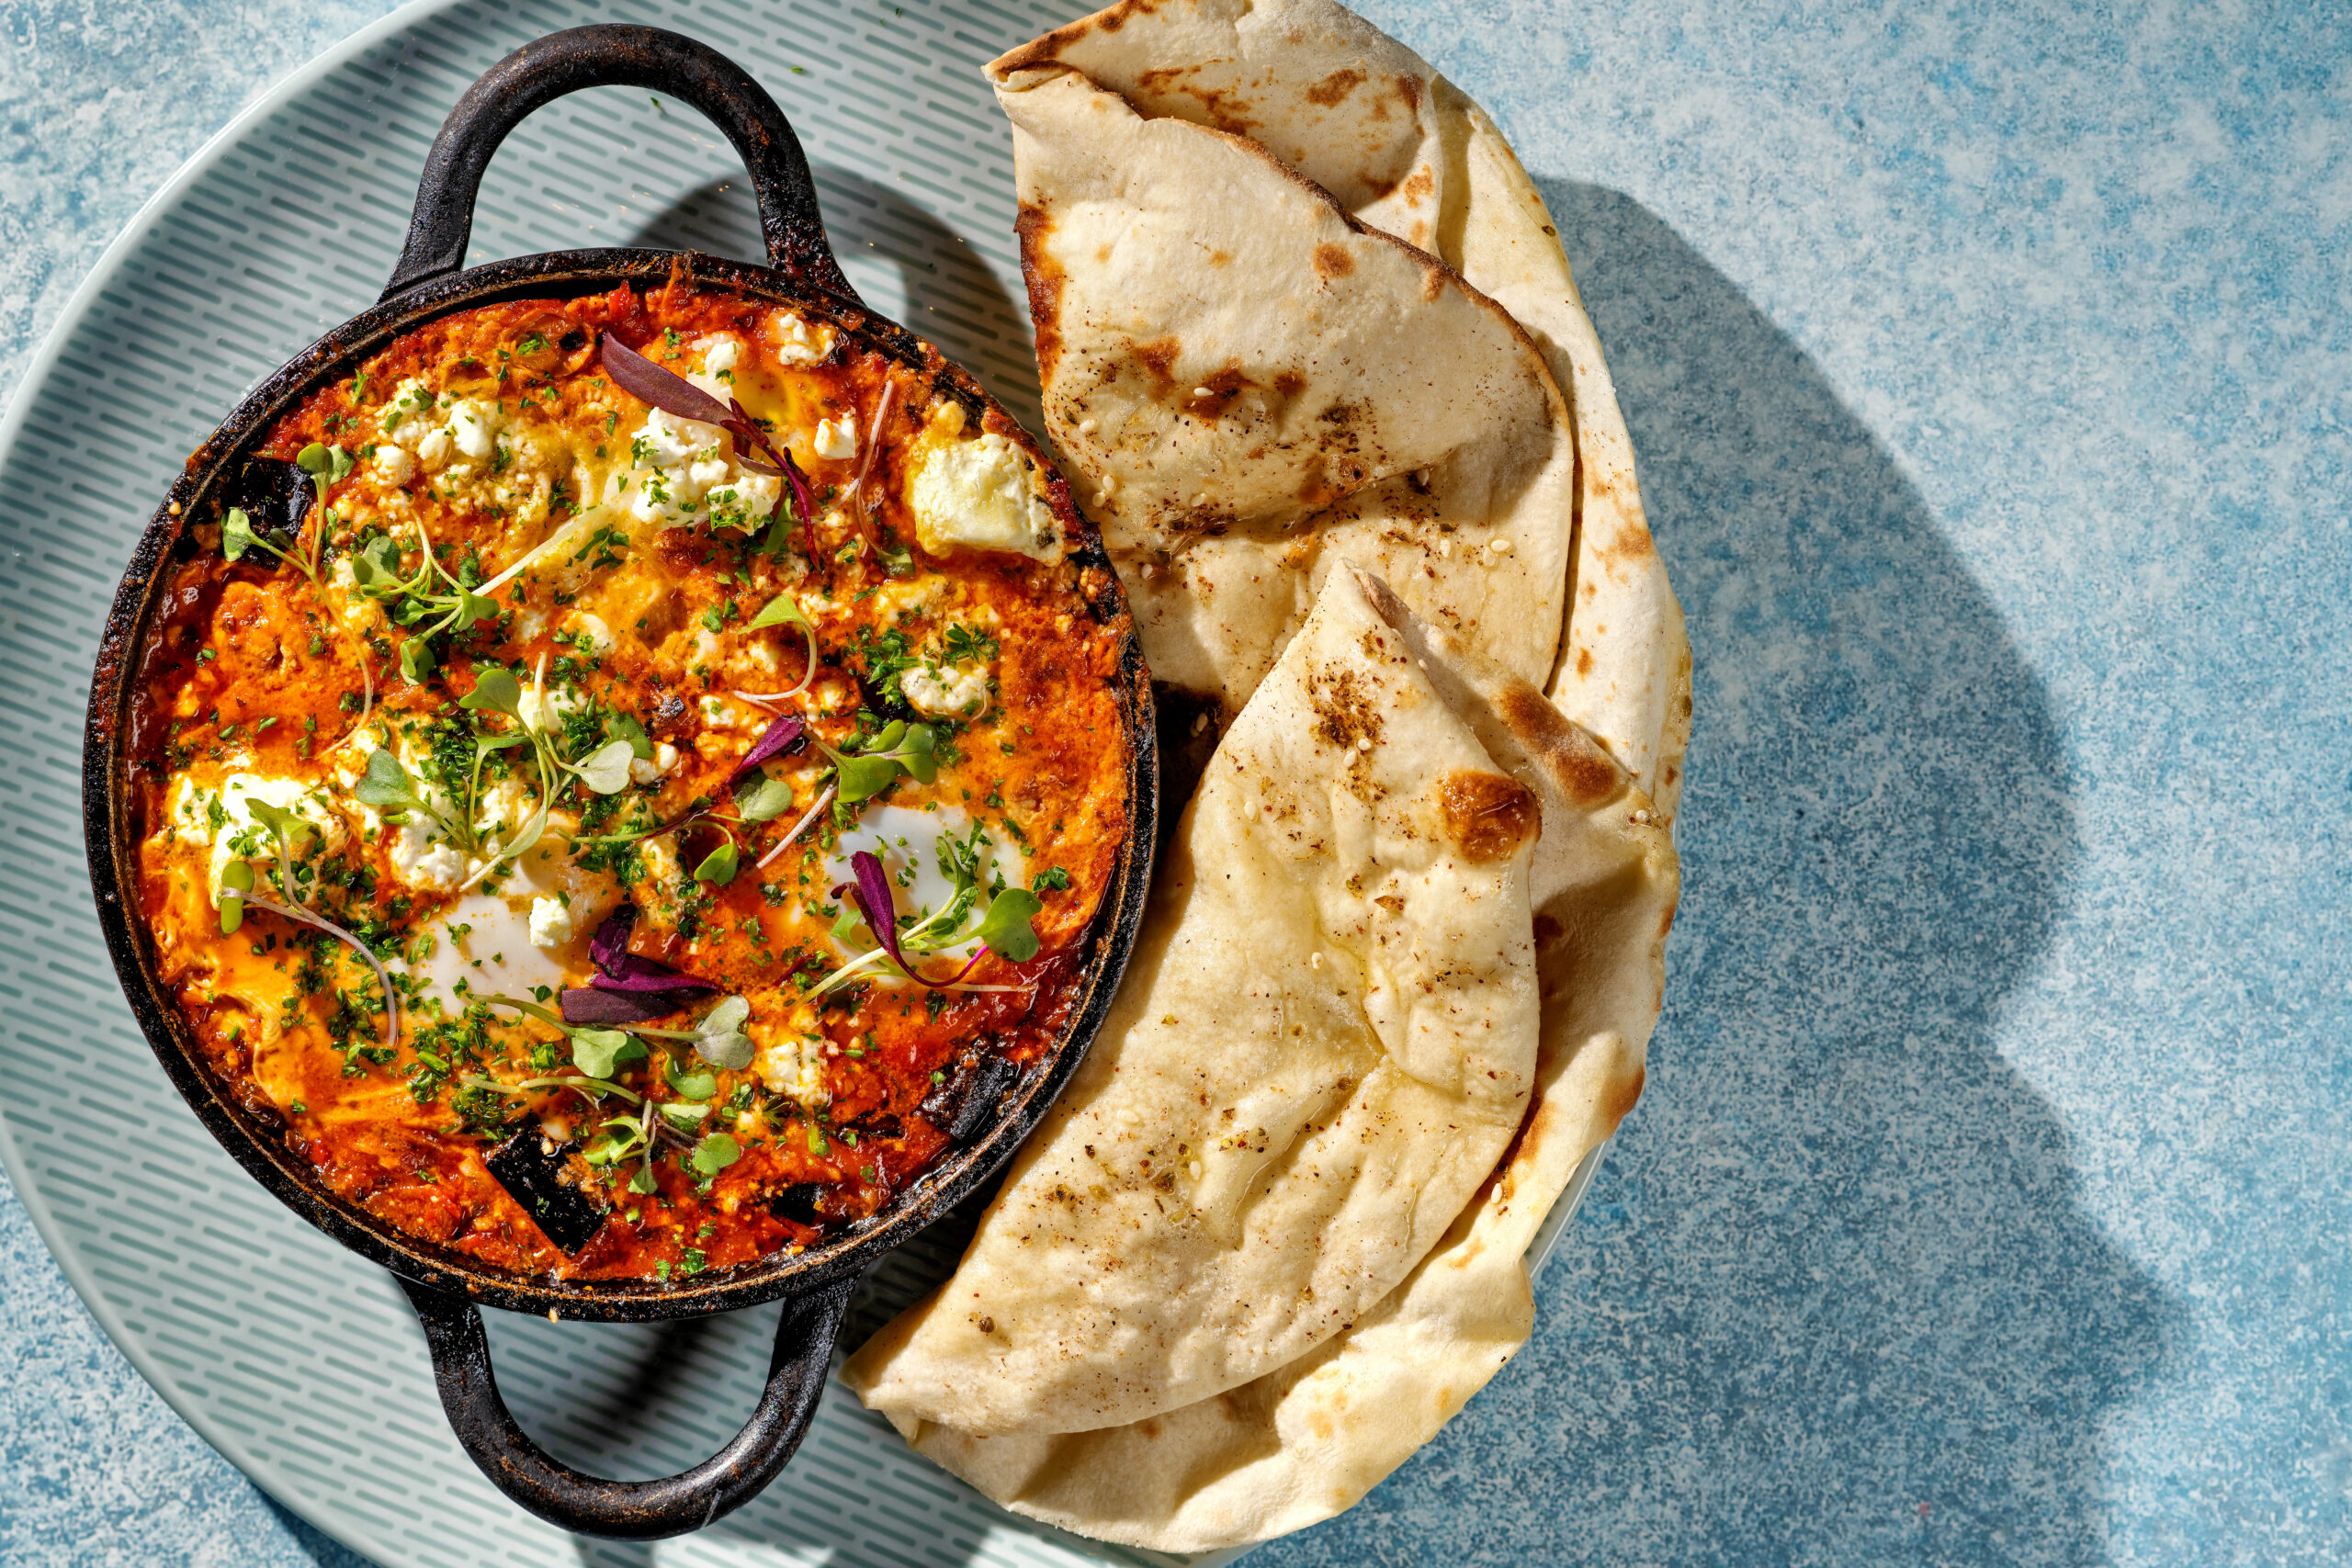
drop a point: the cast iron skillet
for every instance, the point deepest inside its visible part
(447, 1288)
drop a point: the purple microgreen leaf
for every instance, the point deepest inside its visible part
(610, 944)
(648, 976)
(664, 389)
(774, 741)
(872, 891)
(593, 1007)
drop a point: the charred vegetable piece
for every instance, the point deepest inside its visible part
(965, 1105)
(275, 494)
(535, 1170)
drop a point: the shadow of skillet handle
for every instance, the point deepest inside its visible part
(617, 54)
(631, 1510)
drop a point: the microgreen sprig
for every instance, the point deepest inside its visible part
(784, 610)
(597, 1053)
(1005, 928)
(327, 466)
(900, 748)
(452, 605)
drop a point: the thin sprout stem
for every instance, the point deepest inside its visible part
(872, 440)
(603, 1086)
(799, 828)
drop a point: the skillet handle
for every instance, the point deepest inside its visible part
(616, 54)
(630, 1510)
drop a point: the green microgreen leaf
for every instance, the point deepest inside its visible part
(606, 770)
(720, 1038)
(621, 727)
(290, 830)
(472, 607)
(376, 567)
(387, 783)
(236, 535)
(911, 746)
(498, 690)
(782, 610)
(861, 778)
(714, 1154)
(1006, 927)
(691, 1086)
(416, 660)
(598, 1052)
(717, 867)
(764, 801)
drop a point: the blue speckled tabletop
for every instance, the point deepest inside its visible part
(1988, 368)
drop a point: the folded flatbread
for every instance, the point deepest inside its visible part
(1402, 151)
(1323, 1046)
(1250, 385)
(1310, 1439)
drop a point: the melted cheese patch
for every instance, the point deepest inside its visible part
(975, 493)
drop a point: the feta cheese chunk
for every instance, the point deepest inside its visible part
(796, 1067)
(976, 495)
(836, 439)
(645, 770)
(550, 922)
(953, 691)
(474, 425)
(424, 862)
(794, 342)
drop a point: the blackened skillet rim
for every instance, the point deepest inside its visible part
(257, 1142)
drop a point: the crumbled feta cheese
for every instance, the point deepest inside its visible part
(976, 495)
(190, 812)
(474, 425)
(644, 769)
(432, 449)
(394, 464)
(722, 352)
(745, 502)
(717, 713)
(550, 922)
(422, 861)
(671, 442)
(796, 1067)
(836, 439)
(407, 414)
(679, 462)
(954, 691)
(795, 343)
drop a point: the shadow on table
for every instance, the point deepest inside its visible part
(1833, 1298)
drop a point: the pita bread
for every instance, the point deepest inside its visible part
(1306, 1441)
(1250, 385)
(1324, 1044)
(1402, 151)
